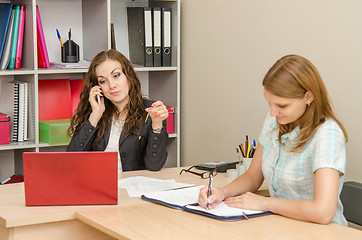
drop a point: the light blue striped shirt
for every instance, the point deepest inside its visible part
(291, 175)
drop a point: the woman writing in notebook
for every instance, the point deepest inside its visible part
(113, 116)
(301, 154)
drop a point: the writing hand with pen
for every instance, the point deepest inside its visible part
(210, 200)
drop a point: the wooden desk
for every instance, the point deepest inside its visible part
(137, 219)
(153, 221)
(59, 222)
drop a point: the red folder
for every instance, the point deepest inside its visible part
(41, 62)
(54, 99)
(76, 87)
(40, 35)
(70, 178)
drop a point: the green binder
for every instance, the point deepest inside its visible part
(15, 37)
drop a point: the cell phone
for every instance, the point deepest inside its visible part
(98, 99)
(219, 166)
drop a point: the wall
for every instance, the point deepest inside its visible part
(228, 46)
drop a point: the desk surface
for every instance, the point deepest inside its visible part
(14, 213)
(153, 221)
(137, 219)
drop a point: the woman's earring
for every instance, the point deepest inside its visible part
(308, 105)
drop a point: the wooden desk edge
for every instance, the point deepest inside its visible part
(97, 226)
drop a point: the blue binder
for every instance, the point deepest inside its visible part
(5, 12)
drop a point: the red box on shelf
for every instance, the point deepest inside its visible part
(4, 129)
(170, 120)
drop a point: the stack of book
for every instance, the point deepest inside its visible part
(18, 111)
(12, 19)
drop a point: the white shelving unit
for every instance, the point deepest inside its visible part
(89, 21)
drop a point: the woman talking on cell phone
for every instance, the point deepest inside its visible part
(112, 115)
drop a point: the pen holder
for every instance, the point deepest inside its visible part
(247, 162)
(70, 52)
(240, 168)
(232, 173)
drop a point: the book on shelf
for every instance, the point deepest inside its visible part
(43, 57)
(14, 39)
(5, 57)
(19, 44)
(16, 109)
(5, 13)
(186, 199)
(13, 179)
(23, 112)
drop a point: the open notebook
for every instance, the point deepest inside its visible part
(186, 199)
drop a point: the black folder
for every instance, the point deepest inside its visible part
(140, 35)
(166, 36)
(157, 53)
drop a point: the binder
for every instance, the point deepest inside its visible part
(166, 36)
(15, 37)
(7, 46)
(186, 200)
(157, 56)
(23, 112)
(41, 62)
(10, 90)
(40, 35)
(140, 35)
(5, 13)
(19, 46)
(54, 99)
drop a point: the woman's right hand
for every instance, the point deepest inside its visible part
(97, 108)
(216, 196)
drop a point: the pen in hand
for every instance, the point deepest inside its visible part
(209, 191)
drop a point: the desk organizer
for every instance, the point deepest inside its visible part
(54, 131)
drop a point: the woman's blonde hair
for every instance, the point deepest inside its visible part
(291, 77)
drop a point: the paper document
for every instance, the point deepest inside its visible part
(179, 197)
(137, 186)
(80, 64)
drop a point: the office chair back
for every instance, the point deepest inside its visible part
(351, 197)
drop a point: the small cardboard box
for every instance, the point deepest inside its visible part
(4, 128)
(170, 120)
(54, 131)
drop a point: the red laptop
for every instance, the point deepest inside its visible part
(70, 178)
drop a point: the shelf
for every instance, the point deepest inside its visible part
(90, 22)
(18, 145)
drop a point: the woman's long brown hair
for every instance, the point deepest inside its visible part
(291, 77)
(135, 108)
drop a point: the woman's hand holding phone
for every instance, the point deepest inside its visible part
(97, 103)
